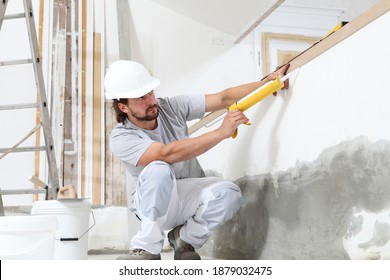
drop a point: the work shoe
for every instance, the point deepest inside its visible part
(183, 250)
(139, 254)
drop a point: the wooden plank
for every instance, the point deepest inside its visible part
(83, 93)
(58, 80)
(115, 173)
(205, 121)
(109, 158)
(37, 158)
(97, 125)
(320, 47)
(71, 116)
(40, 24)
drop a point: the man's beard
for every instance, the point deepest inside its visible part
(149, 116)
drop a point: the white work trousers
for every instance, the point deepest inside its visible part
(162, 203)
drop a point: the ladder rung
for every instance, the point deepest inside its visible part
(21, 191)
(18, 106)
(23, 149)
(13, 16)
(15, 62)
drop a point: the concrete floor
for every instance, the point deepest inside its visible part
(165, 255)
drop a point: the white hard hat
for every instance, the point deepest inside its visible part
(128, 79)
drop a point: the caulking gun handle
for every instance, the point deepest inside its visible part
(231, 108)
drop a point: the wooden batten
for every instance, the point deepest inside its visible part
(83, 94)
(115, 189)
(115, 172)
(58, 81)
(71, 112)
(37, 158)
(97, 124)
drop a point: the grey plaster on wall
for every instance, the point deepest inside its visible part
(306, 211)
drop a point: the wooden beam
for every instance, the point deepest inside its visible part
(205, 121)
(97, 124)
(71, 112)
(115, 189)
(58, 80)
(83, 92)
(37, 158)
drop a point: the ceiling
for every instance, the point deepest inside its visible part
(238, 17)
(230, 16)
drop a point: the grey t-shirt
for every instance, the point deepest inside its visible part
(129, 142)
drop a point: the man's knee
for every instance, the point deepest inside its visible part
(226, 202)
(156, 184)
(231, 197)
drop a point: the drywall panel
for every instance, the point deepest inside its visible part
(314, 164)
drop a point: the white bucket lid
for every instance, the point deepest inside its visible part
(28, 223)
(61, 206)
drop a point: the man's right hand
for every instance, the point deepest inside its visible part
(231, 121)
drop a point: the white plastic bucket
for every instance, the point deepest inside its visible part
(71, 238)
(27, 237)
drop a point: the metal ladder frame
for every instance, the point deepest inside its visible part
(41, 104)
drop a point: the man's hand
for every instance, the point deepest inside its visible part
(231, 121)
(280, 72)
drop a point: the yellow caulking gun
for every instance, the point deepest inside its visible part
(262, 92)
(258, 95)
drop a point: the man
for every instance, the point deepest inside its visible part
(151, 139)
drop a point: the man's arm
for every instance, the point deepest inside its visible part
(227, 97)
(190, 148)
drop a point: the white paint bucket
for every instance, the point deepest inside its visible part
(27, 237)
(71, 238)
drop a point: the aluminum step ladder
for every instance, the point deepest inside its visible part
(42, 104)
